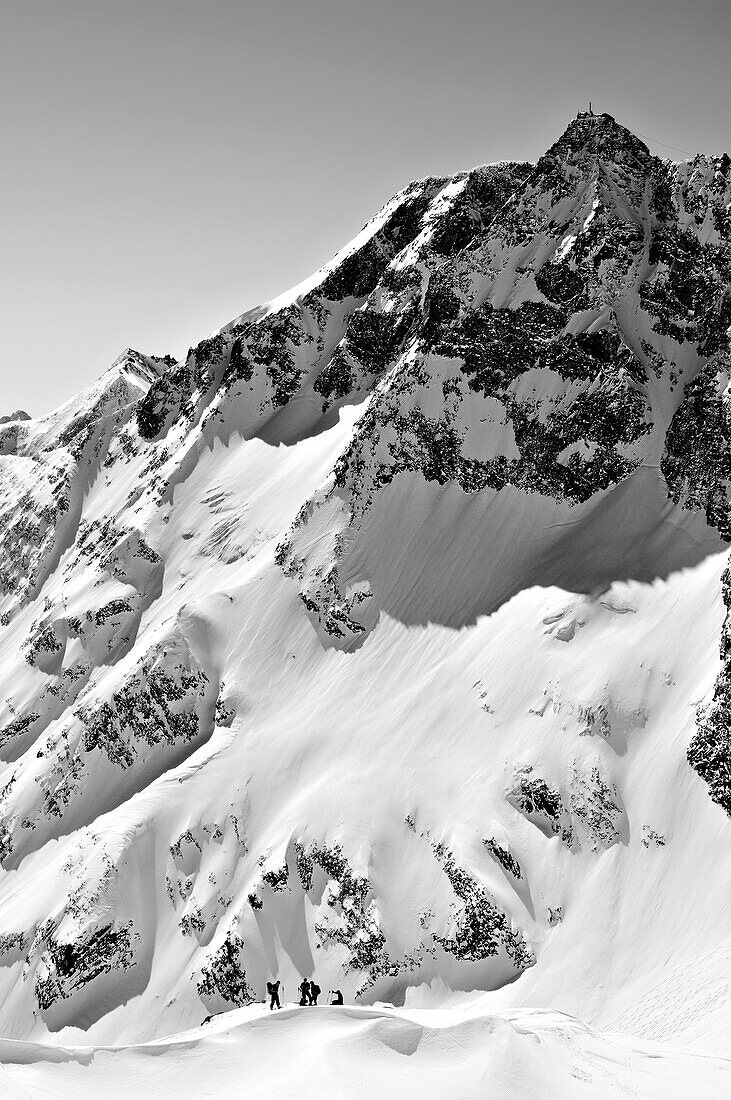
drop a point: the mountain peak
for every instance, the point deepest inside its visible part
(19, 414)
(602, 136)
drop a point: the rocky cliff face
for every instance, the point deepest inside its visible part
(287, 683)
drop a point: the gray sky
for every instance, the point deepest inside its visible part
(169, 163)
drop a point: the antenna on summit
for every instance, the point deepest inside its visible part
(590, 110)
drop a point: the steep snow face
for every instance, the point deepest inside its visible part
(378, 637)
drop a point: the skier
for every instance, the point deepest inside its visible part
(337, 997)
(305, 991)
(273, 991)
(315, 992)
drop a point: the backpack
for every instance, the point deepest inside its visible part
(270, 988)
(316, 991)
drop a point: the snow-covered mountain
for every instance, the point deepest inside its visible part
(383, 637)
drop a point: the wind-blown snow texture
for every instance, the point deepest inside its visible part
(383, 637)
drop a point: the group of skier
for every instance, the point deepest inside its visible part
(309, 992)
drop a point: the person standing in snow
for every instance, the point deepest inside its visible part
(273, 991)
(305, 991)
(315, 992)
(337, 997)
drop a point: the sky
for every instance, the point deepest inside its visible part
(168, 164)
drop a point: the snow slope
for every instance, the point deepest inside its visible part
(384, 639)
(337, 1052)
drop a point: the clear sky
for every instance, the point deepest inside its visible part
(169, 163)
